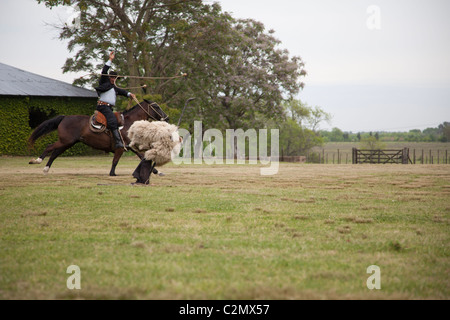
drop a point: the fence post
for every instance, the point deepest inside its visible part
(422, 156)
(405, 156)
(414, 156)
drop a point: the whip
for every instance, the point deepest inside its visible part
(182, 112)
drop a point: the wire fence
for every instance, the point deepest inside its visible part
(416, 156)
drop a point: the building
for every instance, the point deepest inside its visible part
(28, 99)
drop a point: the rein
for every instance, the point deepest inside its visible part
(148, 113)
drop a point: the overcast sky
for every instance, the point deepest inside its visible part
(374, 65)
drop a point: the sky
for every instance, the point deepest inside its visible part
(378, 65)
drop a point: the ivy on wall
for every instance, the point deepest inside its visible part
(15, 122)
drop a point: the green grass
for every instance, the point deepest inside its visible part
(223, 232)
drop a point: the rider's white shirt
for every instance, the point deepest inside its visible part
(109, 96)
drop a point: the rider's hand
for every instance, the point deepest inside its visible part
(112, 55)
(132, 96)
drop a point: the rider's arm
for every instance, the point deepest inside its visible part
(122, 92)
(104, 78)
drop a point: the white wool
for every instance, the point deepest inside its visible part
(159, 140)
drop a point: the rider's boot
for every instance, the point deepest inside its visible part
(117, 138)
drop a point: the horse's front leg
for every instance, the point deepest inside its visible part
(117, 154)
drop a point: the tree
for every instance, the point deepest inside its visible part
(444, 130)
(235, 68)
(139, 31)
(336, 135)
(296, 138)
(243, 82)
(371, 143)
(318, 115)
(346, 136)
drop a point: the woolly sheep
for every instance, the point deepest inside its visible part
(159, 140)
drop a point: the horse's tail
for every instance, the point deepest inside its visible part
(45, 128)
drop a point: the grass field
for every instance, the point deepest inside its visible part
(224, 232)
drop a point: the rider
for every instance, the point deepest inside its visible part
(107, 92)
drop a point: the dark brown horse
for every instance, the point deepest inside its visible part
(74, 129)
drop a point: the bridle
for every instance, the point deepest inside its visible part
(152, 106)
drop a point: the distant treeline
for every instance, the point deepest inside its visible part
(439, 134)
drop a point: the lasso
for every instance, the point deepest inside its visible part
(135, 77)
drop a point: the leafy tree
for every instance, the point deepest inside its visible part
(444, 131)
(346, 136)
(243, 83)
(371, 143)
(235, 68)
(296, 138)
(318, 116)
(377, 136)
(336, 135)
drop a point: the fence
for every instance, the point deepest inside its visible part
(416, 156)
(380, 156)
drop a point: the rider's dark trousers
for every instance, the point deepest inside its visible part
(142, 172)
(110, 117)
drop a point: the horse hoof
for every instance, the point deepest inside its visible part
(35, 161)
(46, 170)
(161, 174)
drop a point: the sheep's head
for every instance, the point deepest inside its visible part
(177, 141)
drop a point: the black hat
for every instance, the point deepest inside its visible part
(113, 74)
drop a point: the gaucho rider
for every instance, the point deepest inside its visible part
(107, 92)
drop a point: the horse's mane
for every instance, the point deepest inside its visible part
(135, 107)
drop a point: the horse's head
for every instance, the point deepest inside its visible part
(154, 111)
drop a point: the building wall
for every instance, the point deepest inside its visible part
(15, 113)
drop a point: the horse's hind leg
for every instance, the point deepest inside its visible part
(56, 153)
(47, 150)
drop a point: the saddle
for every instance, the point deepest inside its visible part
(99, 123)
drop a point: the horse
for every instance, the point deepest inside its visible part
(76, 128)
